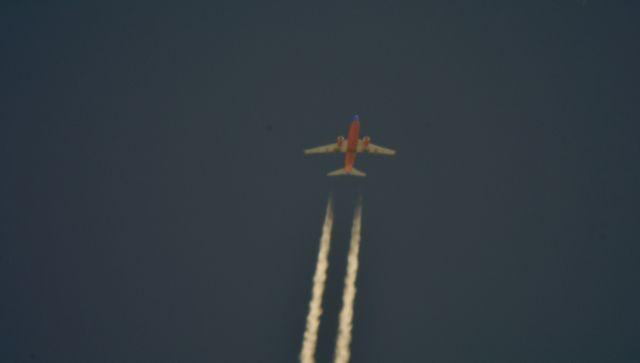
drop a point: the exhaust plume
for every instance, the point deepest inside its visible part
(343, 351)
(307, 355)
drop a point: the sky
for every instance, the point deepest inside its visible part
(156, 205)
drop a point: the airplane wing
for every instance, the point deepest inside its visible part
(375, 149)
(331, 148)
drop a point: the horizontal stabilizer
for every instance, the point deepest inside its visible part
(354, 172)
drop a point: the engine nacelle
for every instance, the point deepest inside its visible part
(340, 141)
(366, 140)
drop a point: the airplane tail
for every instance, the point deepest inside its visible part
(354, 172)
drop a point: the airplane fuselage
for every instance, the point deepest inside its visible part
(352, 145)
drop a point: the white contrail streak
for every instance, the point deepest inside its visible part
(343, 351)
(307, 355)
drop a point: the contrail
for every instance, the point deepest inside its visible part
(343, 351)
(315, 305)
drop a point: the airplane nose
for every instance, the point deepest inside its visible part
(356, 118)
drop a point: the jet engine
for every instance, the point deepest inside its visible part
(340, 141)
(366, 140)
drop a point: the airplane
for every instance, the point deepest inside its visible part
(352, 147)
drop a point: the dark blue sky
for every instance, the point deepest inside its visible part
(156, 205)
